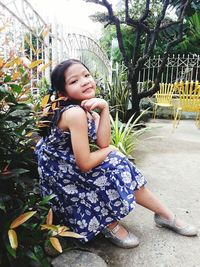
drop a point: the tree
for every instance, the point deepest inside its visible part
(191, 40)
(147, 31)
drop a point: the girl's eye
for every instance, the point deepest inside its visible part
(87, 75)
(73, 81)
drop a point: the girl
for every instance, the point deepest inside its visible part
(94, 189)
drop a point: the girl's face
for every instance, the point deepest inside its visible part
(79, 84)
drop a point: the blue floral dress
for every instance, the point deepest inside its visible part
(86, 202)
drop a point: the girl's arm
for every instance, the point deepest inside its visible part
(75, 120)
(103, 121)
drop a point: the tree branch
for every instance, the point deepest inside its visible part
(164, 27)
(146, 13)
(95, 2)
(136, 48)
(171, 44)
(113, 20)
(126, 10)
(153, 38)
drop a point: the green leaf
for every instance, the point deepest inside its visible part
(32, 256)
(38, 251)
(16, 88)
(2, 207)
(7, 79)
(12, 173)
(10, 250)
(125, 136)
(47, 199)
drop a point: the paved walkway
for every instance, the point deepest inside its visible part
(171, 163)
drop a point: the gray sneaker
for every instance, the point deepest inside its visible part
(188, 230)
(129, 241)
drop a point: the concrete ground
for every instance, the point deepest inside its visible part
(170, 160)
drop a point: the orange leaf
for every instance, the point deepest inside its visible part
(62, 229)
(29, 134)
(49, 219)
(44, 66)
(56, 244)
(45, 101)
(35, 63)
(22, 218)
(70, 234)
(46, 30)
(16, 75)
(37, 51)
(13, 238)
(53, 106)
(11, 63)
(1, 62)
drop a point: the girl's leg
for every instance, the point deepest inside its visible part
(147, 199)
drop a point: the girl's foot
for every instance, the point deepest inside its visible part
(118, 235)
(176, 225)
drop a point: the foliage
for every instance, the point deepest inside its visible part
(43, 87)
(109, 36)
(126, 136)
(18, 169)
(117, 93)
(16, 118)
(188, 45)
(17, 163)
(22, 244)
(24, 240)
(109, 32)
(191, 38)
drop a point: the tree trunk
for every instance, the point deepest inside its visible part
(135, 100)
(135, 108)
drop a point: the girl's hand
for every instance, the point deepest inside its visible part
(114, 148)
(93, 103)
(111, 148)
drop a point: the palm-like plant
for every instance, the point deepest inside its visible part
(117, 93)
(126, 136)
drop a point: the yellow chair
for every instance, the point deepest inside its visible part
(163, 98)
(189, 100)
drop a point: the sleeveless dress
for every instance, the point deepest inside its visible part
(86, 201)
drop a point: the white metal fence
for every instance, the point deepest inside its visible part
(178, 67)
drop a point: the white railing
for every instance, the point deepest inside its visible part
(178, 67)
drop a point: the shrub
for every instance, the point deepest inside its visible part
(117, 94)
(125, 136)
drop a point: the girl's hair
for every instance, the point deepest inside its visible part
(54, 107)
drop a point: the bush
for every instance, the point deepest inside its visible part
(125, 136)
(19, 191)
